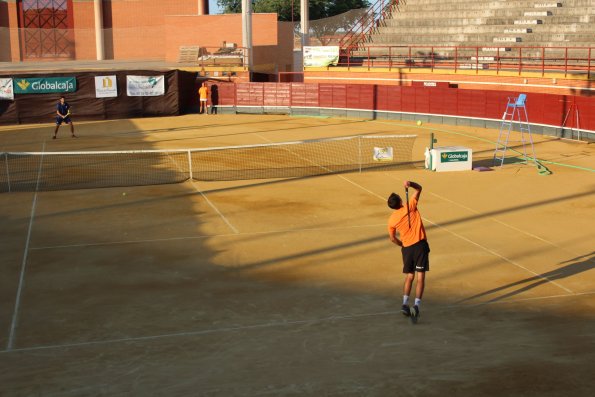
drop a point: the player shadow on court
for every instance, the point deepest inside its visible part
(572, 267)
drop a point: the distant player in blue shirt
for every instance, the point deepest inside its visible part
(63, 116)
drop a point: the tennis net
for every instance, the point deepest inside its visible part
(31, 171)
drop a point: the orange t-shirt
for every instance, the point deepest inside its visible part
(398, 221)
(202, 92)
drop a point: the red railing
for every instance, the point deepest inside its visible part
(568, 60)
(364, 26)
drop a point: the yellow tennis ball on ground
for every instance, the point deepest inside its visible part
(419, 122)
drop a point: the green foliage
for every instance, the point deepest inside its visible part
(317, 8)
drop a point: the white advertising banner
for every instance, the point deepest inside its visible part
(6, 90)
(106, 87)
(145, 85)
(321, 56)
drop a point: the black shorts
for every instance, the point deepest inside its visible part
(65, 120)
(416, 257)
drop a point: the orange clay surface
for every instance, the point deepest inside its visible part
(290, 287)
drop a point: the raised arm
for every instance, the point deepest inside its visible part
(415, 186)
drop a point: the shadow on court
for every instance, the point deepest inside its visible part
(571, 267)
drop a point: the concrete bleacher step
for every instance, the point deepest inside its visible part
(488, 23)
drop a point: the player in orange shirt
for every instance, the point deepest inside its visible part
(415, 249)
(203, 94)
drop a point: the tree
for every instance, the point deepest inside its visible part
(317, 8)
(344, 13)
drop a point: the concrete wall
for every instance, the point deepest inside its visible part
(155, 30)
(272, 43)
(9, 38)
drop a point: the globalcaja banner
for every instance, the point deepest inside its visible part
(6, 90)
(44, 85)
(451, 157)
(145, 85)
(106, 87)
(321, 56)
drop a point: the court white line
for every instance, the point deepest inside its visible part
(536, 298)
(493, 252)
(283, 231)
(232, 227)
(500, 256)
(511, 227)
(456, 234)
(17, 303)
(343, 317)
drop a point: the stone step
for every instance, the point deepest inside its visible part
(559, 39)
(496, 29)
(490, 13)
(553, 20)
(494, 3)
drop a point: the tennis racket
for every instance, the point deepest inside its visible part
(407, 200)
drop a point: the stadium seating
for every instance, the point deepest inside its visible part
(487, 23)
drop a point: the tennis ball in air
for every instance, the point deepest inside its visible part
(124, 194)
(419, 122)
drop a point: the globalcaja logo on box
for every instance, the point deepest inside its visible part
(44, 85)
(451, 157)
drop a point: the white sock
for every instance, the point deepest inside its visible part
(405, 299)
(417, 302)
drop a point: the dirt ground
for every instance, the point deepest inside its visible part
(290, 287)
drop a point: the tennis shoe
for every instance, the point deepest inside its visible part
(405, 310)
(415, 312)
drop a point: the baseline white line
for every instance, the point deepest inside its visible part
(294, 230)
(17, 303)
(265, 325)
(207, 331)
(511, 227)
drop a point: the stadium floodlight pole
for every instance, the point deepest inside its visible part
(247, 30)
(304, 23)
(99, 47)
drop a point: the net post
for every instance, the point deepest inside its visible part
(190, 165)
(7, 173)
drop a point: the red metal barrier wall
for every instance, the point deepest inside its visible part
(550, 109)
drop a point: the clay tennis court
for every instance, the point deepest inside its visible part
(290, 286)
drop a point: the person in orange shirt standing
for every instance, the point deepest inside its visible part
(406, 220)
(203, 94)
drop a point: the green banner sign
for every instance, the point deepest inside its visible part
(44, 85)
(453, 157)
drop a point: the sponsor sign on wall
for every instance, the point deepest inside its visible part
(106, 87)
(44, 85)
(321, 56)
(6, 90)
(145, 85)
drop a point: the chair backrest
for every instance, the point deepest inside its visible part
(520, 101)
